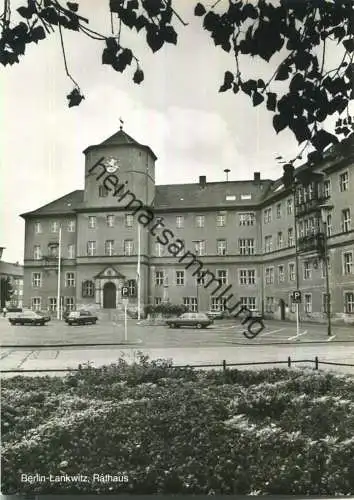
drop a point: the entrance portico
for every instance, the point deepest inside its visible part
(108, 284)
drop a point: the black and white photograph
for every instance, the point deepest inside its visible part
(177, 248)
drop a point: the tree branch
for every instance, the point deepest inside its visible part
(64, 56)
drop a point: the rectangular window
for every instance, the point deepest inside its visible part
(249, 302)
(199, 220)
(199, 247)
(53, 249)
(54, 226)
(280, 240)
(246, 246)
(69, 303)
(281, 274)
(268, 244)
(221, 275)
(69, 279)
(159, 248)
(36, 280)
(37, 227)
(36, 304)
(267, 215)
(191, 303)
(346, 220)
(179, 221)
(220, 220)
(217, 304)
(71, 226)
(329, 224)
(200, 281)
(344, 182)
(349, 302)
(71, 251)
(327, 188)
(128, 247)
(221, 247)
(247, 219)
(158, 301)
(269, 275)
(292, 271)
(109, 247)
(102, 191)
(308, 303)
(348, 263)
(307, 271)
(110, 220)
(269, 305)
(91, 248)
(289, 206)
(159, 278)
(278, 210)
(129, 220)
(247, 277)
(180, 278)
(52, 303)
(37, 252)
(92, 221)
(291, 241)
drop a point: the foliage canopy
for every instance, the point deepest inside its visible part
(301, 31)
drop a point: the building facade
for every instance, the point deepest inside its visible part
(11, 274)
(257, 237)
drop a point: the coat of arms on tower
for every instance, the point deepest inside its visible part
(112, 164)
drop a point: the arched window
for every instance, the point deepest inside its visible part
(88, 288)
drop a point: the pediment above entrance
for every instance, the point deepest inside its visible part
(109, 273)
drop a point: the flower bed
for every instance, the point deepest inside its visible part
(166, 430)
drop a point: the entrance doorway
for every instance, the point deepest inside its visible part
(282, 309)
(109, 295)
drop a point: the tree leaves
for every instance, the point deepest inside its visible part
(257, 98)
(279, 123)
(199, 10)
(228, 81)
(271, 101)
(75, 97)
(138, 76)
(322, 139)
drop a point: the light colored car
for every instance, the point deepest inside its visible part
(81, 318)
(198, 320)
(30, 318)
(216, 314)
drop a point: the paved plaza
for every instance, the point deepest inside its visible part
(55, 346)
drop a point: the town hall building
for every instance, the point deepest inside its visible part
(257, 235)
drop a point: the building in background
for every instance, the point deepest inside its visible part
(11, 283)
(245, 232)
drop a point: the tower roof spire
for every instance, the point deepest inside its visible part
(121, 123)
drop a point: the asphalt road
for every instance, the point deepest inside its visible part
(53, 346)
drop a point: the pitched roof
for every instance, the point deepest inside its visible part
(64, 205)
(212, 194)
(11, 269)
(121, 138)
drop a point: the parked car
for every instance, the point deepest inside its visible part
(216, 314)
(198, 320)
(81, 318)
(30, 318)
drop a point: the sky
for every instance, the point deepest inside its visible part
(192, 128)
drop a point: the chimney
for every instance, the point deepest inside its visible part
(257, 177)
(202, 180)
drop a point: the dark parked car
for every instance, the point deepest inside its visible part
(198, 320)
(81, 318)
(30, 318)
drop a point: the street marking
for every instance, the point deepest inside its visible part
(296, 336)
(272, 331)
(331, 338)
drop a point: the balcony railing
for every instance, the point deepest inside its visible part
(312, 243)
(50, 261)
(308, 206)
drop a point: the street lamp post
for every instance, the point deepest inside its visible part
(296, 263)
(324, 211)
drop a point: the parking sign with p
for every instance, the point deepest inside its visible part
(296, 297)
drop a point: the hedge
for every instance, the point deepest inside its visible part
(170, 430)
